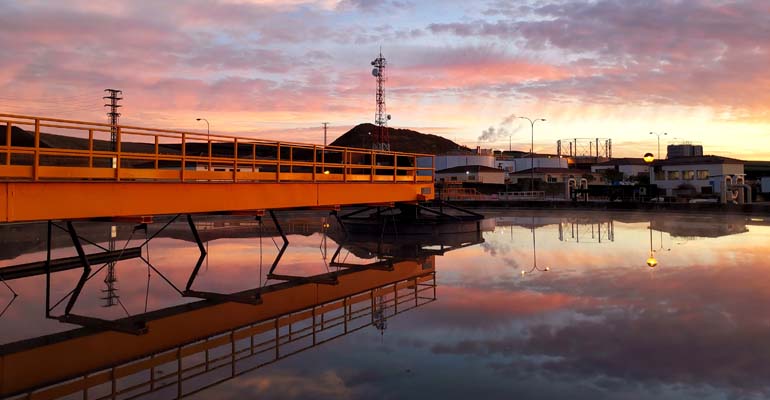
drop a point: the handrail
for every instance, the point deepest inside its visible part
(72, 152)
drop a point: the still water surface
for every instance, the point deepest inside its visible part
(540, 305)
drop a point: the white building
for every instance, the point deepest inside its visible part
(704, 174)
(628, 166)
(515, 164)
(450, 160)
(471, 173)
(553, 175)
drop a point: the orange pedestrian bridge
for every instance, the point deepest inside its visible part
(56, 169)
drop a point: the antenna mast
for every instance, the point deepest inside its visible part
(113, 96)
(325, 124)
(381, 138)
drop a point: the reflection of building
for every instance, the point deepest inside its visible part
(704, 227)
(582, 231)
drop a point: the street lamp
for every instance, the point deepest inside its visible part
(208, 129)
(531, 153)
(658, 135)
(648, 159)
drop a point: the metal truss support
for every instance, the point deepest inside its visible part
(249, 297)
(283, 248)
(106, 257)
(382, 265)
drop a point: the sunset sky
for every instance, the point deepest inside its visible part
(608, 68)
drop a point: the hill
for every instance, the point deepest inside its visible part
(405, 140)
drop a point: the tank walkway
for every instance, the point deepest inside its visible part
(54, 169)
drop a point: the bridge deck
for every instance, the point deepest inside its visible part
(62, 169)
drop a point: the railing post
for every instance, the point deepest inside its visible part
(433, 169)
(235, 160)
(315, 157)
(157, 152)
(36, 164)
(371, 176)
(118, 133)
(184, 156)
(278, 162)
(345, 165)
(395, 167)
(90, 148)
(8, 143)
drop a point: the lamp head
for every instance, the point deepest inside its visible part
(197, 119)
(652, 262)
(648, 158)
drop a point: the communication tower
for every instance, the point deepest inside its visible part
(381, 138)
(113, 95)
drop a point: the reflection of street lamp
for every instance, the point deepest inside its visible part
(531, 153)
(651, 261)
(534, 253)
(658, 135)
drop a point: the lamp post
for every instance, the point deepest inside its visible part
(658, 135)
(208, 127)
(531, 152)
(648, 159)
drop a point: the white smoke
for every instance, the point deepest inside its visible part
(503, 130)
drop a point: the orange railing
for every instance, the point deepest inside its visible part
(45, 149)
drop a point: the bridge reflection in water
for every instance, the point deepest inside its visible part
(187, 348)
(201, 358)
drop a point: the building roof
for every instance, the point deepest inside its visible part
(469, 168)
(710, 159)
(539, 155)
(552, 171)
(621, 161)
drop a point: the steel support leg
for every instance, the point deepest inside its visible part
(86, 268)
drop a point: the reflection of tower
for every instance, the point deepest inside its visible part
(111, 296)
(381, 137)
(378, 315)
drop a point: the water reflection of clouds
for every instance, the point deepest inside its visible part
(698, 326)
(599, 324)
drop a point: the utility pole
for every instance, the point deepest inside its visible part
(325, 124)
(113, 95)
